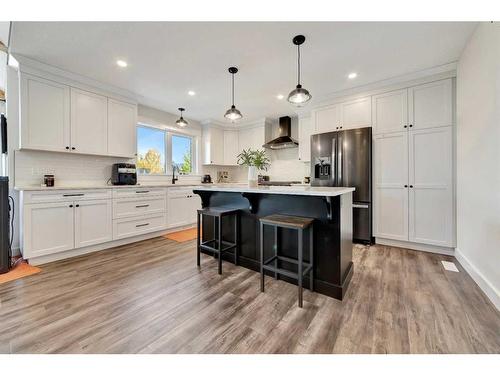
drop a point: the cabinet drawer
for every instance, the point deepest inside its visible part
(128, 207)
(64, 195)
(129, 227)
(138, 192)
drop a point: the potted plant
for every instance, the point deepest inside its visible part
(255, 160)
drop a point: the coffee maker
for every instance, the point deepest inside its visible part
(123, 174)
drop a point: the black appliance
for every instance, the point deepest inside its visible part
(207, 179)
(123, 174)
(344, 158)
(5, 253)
(284, 139)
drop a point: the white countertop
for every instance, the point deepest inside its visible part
(93, 187)
(287, 190)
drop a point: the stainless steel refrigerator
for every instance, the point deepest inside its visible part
(344, 158)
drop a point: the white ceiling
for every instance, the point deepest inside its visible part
(166, 59)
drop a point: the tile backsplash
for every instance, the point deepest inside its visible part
(68, 169)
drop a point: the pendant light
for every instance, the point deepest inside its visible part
(299, 96)
(233, 113)
(181, 122)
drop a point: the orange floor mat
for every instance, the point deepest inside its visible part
(183, 235)
(22, 269)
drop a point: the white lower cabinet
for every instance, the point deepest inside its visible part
(93, 222)
(48, 228)
(182, 206)
(134, 226)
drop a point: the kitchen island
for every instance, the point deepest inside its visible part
(331, 208)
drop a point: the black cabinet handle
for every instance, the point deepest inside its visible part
(411, 125)
(77, 205)
(73, 148)
(411, 186)
(141, 225)
(406, 186)
(73, 195)
(67, 147)
(142, 205)
(405, 126)
(142, 192)
(70, 206)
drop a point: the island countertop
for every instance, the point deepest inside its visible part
(319, 191)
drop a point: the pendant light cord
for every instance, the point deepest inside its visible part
(298, 63)
(232, 92)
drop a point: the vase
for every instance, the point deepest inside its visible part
(252, 176)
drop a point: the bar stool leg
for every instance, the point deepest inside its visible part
(261, 257)
(236, 237)
(215, 232)
(311, 258)
(300, 231)
(198, 223)
(220, 245)
(276, 251)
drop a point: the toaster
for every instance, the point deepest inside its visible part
(123, 174)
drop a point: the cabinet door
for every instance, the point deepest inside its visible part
(48, 228)
(93, 222)
(326, 119)
(122, 122)
(430, 105)
(89, 122)
(194, 205)
(252, 138)
(230, 147)
(305, 139)
(390, 112)
(45, 114)
(356, 113)
(178, 211)
(391, 177)
(431, 191)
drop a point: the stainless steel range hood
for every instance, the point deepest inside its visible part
(284, 139)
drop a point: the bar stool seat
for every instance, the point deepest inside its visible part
(217, 245)
(303, 268)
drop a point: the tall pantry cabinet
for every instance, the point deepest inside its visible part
(413, 164)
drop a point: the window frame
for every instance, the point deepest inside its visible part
(168, 150)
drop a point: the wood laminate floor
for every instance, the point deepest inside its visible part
(150, 297)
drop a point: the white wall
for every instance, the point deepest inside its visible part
(478, 159)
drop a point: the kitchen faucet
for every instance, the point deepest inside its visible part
(174, 167)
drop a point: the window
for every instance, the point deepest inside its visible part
(158, 150)
(150, 150)
(182, 153)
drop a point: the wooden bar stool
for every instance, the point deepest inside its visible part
(217, 245)
(303, 268)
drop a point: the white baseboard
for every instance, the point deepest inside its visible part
(90, 249)
(486, 286)
(416, 246)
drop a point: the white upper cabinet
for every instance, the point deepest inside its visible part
(326, 119)
(390, 112)
(45, 114)
(305, 132)
(89, 122)
(213, 145)
(431, 186)
(391, 186)
(356, 113)
(231, 149)
(430, 105)
(57, 117)
(122, 121)
(252, 138)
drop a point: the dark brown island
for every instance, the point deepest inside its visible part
(330, 207)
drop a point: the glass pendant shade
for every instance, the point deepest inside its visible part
(299, 96)
(233, 114)
(181, 122)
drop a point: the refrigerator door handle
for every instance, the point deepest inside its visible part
(333, 169)
(339, 160)
(360, 206)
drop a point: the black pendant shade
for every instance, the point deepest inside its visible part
(181, 122)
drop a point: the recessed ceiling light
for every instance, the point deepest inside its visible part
(280, 96)
(352, 75)
(191, 93)
(121, 63)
